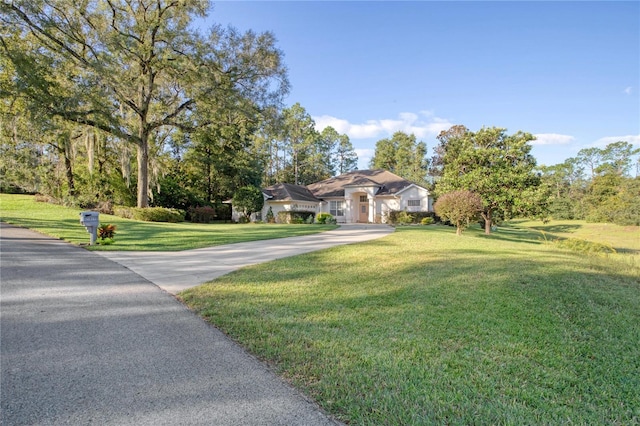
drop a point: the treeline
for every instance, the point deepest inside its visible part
(598, 185)
(128, 104)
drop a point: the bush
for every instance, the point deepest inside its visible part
(459, 207)
(404, 218)
(270, 217)
(427, 220)
(409, 217)
(296, 216)
(106, 231)
(204, 214)
(123, 211)
(584, 246)
(150, 214)
(324, 218)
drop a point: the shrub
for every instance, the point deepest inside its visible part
(459, 207)
(204, 214)
(295, 216)
(106, 231)
(150, 214)
(270, 217)
(415, 217)
(123, 211)
(404, 218)
(584, 246)
(324, 218)
(427, 220)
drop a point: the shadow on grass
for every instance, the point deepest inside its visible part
(568, 228)
(539, 326)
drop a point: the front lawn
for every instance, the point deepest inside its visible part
(64, 223)
(423, 327)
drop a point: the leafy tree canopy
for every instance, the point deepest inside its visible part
(133, 69)
(496, 166)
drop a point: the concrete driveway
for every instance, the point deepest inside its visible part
(84, 340)
(177, 271)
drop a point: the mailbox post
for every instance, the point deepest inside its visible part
(91, 221)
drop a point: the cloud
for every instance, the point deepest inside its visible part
(628, 90)
(552, 139)
(422, 125)
(364, 157)
(602, 142)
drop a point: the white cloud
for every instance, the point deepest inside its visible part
(364, 157)
(602, 142)
(628, 90)
(552, 139)
(422, 125)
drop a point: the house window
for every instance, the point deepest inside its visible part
(363, 199)
(336, 208)
(413, 203)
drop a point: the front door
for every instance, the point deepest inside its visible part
(364, 213)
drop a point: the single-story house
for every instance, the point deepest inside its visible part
(361, 196)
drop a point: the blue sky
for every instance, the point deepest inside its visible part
(568, 72)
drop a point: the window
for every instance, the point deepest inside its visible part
(336, 208)
(363, 199)
(413, 203)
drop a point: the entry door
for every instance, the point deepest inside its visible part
(364, 212)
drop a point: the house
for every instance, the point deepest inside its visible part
(361, 196)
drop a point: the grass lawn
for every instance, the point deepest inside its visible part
(64, 223)
(423, 327)
(624, 239)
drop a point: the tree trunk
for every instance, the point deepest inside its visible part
(487, 222)
(69, 171)
(143, 169)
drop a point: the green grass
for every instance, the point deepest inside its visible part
(64, 223)
(423, 327)
(622, 238)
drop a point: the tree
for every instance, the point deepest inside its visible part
(496, 166)
(459, 207)
(345, 157)
(298, 134)
(404, 156)
(248, 199)
(133, 68)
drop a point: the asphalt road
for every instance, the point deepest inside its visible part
(84, 340)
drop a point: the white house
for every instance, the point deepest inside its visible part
(361, 196)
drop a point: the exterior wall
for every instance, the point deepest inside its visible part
(384, 205)
(325, 207)
(280, 206)
(415, 193)
(352, 197)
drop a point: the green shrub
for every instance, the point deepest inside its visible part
(322, 218)
(404, 218)
(204, 214)
(296, 216)
(583, 246)
(270, 217)
(123, 211)
(427, 220)
(408, 217)
(150, 214)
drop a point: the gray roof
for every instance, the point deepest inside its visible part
(289, 192)
(386, 182)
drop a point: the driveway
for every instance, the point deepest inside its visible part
(177, 271)
(85, 340)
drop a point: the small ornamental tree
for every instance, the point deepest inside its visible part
(248, 199)
(459, 207)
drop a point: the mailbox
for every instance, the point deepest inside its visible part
(91, 221)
